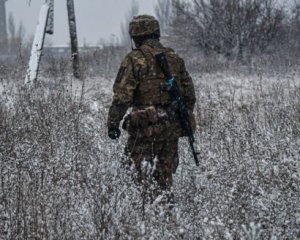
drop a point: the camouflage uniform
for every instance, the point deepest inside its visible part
(153, 125)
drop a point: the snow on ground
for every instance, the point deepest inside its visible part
(62, 178)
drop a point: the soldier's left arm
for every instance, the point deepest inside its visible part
(123, 88)
(188, 87)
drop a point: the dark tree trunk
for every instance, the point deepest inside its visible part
(3, 30)
(73, 36)
(50, 24)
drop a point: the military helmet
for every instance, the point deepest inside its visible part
(144, 25)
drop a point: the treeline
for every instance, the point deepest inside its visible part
(235, 29)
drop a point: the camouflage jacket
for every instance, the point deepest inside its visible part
(140, 84)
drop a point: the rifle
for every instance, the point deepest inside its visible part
(162, 62)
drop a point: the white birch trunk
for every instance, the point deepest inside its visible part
(37, 47)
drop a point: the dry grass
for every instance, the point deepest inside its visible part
(62, 178)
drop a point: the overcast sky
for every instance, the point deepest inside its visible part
(96, 19)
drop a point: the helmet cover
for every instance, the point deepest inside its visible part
(144, 25)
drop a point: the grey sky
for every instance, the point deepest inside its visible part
(96, 19)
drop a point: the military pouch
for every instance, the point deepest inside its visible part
(173, 115)
(146, 123)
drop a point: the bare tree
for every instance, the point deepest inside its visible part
(294, 24)
(20, 34)
(12, 33)
(11, 26)
(3, 27)
(16, 35)
(163, 11)
(21, 31)
(229, 27)
(133, 11)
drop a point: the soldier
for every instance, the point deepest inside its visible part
(153, 125)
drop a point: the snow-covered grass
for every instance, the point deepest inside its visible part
(62, 178)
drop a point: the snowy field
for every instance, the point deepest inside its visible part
(62, 178)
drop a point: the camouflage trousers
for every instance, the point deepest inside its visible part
(155, 163)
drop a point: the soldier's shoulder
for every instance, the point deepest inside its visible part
(172, 53)
(135, 53)
(170, 50)
(132, 57)
(135, 57)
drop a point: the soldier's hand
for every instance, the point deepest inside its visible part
(114, 133)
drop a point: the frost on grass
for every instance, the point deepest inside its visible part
(62, 178)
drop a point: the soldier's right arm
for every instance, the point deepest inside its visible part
(124, 87)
